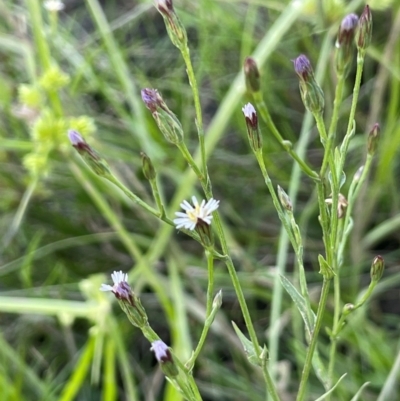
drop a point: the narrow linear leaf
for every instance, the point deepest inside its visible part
(357, 395)
(332, 389)
(306, 313)
(247, 346)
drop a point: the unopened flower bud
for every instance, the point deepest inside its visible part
(285, 200)
(377, 268)
(253, 130)
(252, 75)
(358, 174)
(147, 167)
(311, 93)
(364, 29)
(166, 120)
(347, 309)
(345, 43)
(164, 358)
(373, 139)
(97, 164)
(217, 302)
(176, 30)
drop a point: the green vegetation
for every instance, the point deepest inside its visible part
(290, 291)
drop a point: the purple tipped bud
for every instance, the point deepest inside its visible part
(79, 143)
(347, 30)
(377, 268)
(152, 99)
(311, 93)
(253, 130)
(252, 75)
(161, 351)
(373, 139)
(344, 43)
(165, 7)
(303, 68)
(364, 29)
(98, 165)
(176, 30)
(166, 120)
(164, 358)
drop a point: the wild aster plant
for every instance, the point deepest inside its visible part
(197, 217)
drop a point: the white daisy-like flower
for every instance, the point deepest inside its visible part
(118, 278)
(196, 213)
(54, 5)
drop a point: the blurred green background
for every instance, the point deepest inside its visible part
(64, 230)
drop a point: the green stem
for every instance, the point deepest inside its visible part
(199, 118)
(314, 339)
(356, 92)
(209, 318)
(275, 200)
(231, 268)
(266, 116)
(333, 126)
(295, 182)
(343, 153)
(157, 198)
(352, 196)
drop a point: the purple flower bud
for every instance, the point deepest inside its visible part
(165, 7)
(164, 358)
(345, 44)
(80, 144)
(311, 93)
(166, 120)
(151, 99)
(302, 67)
(176, 30)
(161, 351)
(347, 30)
(98, 165)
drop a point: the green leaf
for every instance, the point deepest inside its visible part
(306, 313)
(357, 395)
(248, 347)
(332, 389)
(325, 269)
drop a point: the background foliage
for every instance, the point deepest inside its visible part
(64, 230)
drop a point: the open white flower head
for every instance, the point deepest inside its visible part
(195, 213)
(54, 5)
(118, 278)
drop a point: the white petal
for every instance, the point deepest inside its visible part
(248, 110)
(194, 201)
(180, 214)
(185, 205)
(106, 287)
